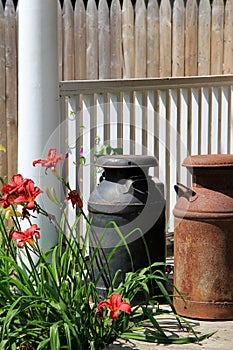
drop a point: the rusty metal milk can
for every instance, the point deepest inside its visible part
(203, 239)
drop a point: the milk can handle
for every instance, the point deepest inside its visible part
(186, 192)
(128, 185)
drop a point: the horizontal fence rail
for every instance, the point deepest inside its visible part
(167, 118)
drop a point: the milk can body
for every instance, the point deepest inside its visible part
(129, 199)
(203, 239)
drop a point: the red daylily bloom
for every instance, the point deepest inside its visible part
(19, 191)
(75, 198)
(50, 161)
(27, 193)
(9, 191)
(115, 304)
(26, 236)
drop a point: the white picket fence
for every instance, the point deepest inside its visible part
(168, 118)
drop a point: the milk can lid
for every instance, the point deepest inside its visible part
(209, 160)
(126, 161)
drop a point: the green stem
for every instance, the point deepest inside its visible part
(7, 238)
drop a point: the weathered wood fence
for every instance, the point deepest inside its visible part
(145, 41)
(166, 118)
(120, 41)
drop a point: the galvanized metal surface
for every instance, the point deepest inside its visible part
(123, 161)
(129, 197)
(203, 239)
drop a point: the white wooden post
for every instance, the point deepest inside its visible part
(38, 100)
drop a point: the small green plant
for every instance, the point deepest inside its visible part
(51, 302)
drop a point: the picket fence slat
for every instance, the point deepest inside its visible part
(80, 39)
(104, 39)
(11, 86)
(3, 129)
(173, 141)
(128, 39)
(60, 40)
(68, 47)
(165, 38)
(92, 40)
(152, 39)
(204, 23)
(178, 36)
(194, 116)
(223, 139)
(217, 37)
(191, 38)
(115, 63)
(228, 38)
(183, 134)
(140, 39)
(230, 129)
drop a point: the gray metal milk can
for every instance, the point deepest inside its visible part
(128, 197)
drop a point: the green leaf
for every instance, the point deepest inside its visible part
(158, 338)
(54, 336)
(68, 336)
(42, 344)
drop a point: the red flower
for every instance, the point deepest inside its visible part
(75, 198)
(50, 161)
(26, 236)
(19, 191)
(9, 191)
(27, 193)
(115, 304)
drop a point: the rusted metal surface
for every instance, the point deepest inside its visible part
(203, 239)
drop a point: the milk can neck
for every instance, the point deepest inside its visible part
(117, 174)
(213, 178)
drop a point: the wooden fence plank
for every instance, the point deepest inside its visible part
(165, 38)
(230, 128)
(228, 39)
(3, 129)
(204, 25)
(173, 147)
(68, 34)
(182, 126)
(128, 39)
(140, 39)
(104, 40)
(223, 139)
(194, 124)
(60, 40)
(191, 38)
(217, 37)
(115, 42)
(178, 36)
(153, 40)
(206, 117)
(92, 40)
(80, 40)
(11, 87)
